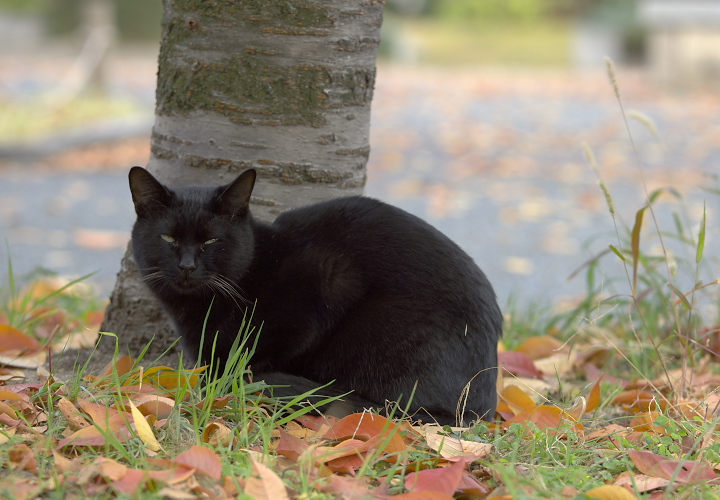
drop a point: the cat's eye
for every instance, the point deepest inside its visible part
(167, 238)
(210, 241)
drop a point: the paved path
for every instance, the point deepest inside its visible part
(492, 158)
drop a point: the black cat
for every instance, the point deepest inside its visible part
(351, 290)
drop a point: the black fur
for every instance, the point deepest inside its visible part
(352, 290)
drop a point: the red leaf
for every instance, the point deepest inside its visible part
(445, 480)
(690, 471)
(289, 446)
(519, 364)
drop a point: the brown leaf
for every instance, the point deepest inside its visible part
(203, 459)
(22, 458)
(71, 414)
(12, 339)
(218, 434)
(264, 484)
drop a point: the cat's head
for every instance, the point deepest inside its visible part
(195, 240)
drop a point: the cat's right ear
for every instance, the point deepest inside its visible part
(235, 199)
(147, 192)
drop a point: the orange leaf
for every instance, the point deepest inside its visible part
(610, 492)
(444, 480)
(12, 339)
(93, 436)
(517, 399)
(594, 399)
(540, 346)
(640, 400)
(544, 417)
(366, 427)
(203, 459)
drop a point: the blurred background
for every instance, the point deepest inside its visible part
(480, 114)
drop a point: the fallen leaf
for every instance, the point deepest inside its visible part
(516, 399)
(367, 426)
(682, 471)
(143, 429)
(449, 446)
(540, 346)
(218, 434)
(610, 492)
(518, 364)
(642, 482)
(22, 458)
(71, 414)
(444, 480)
(289, 446)
(12, 339)
(203, 459)
(264, 484)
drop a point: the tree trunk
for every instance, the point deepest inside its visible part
(282, 86)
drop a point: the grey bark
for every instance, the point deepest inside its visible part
(280, 86)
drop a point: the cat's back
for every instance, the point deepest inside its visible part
(383, 241)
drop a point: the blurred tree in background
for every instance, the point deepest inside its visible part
(135, 19)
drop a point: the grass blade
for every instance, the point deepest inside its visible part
(617, 252)
(681, 296)
(701, 238)
(635, 244)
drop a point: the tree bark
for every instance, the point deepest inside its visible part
(282, 86)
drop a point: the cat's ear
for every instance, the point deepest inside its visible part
(147, 192)
(235, 199)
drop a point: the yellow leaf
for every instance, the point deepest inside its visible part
(610, 492)
(143, 429)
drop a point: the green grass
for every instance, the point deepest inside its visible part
(546, 43)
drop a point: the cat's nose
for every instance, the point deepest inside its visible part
(187, 265)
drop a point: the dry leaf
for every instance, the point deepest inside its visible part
(610, 492)
(12, 339)
(203, 459)
(264, 484)
(444, 480)
(540, 346)
(449, 447)
(143, 429)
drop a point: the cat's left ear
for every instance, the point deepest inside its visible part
(235, 199)
(147, 192)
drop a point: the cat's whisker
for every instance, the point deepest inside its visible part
(227, 288)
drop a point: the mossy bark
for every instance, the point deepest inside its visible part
(282, 86)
